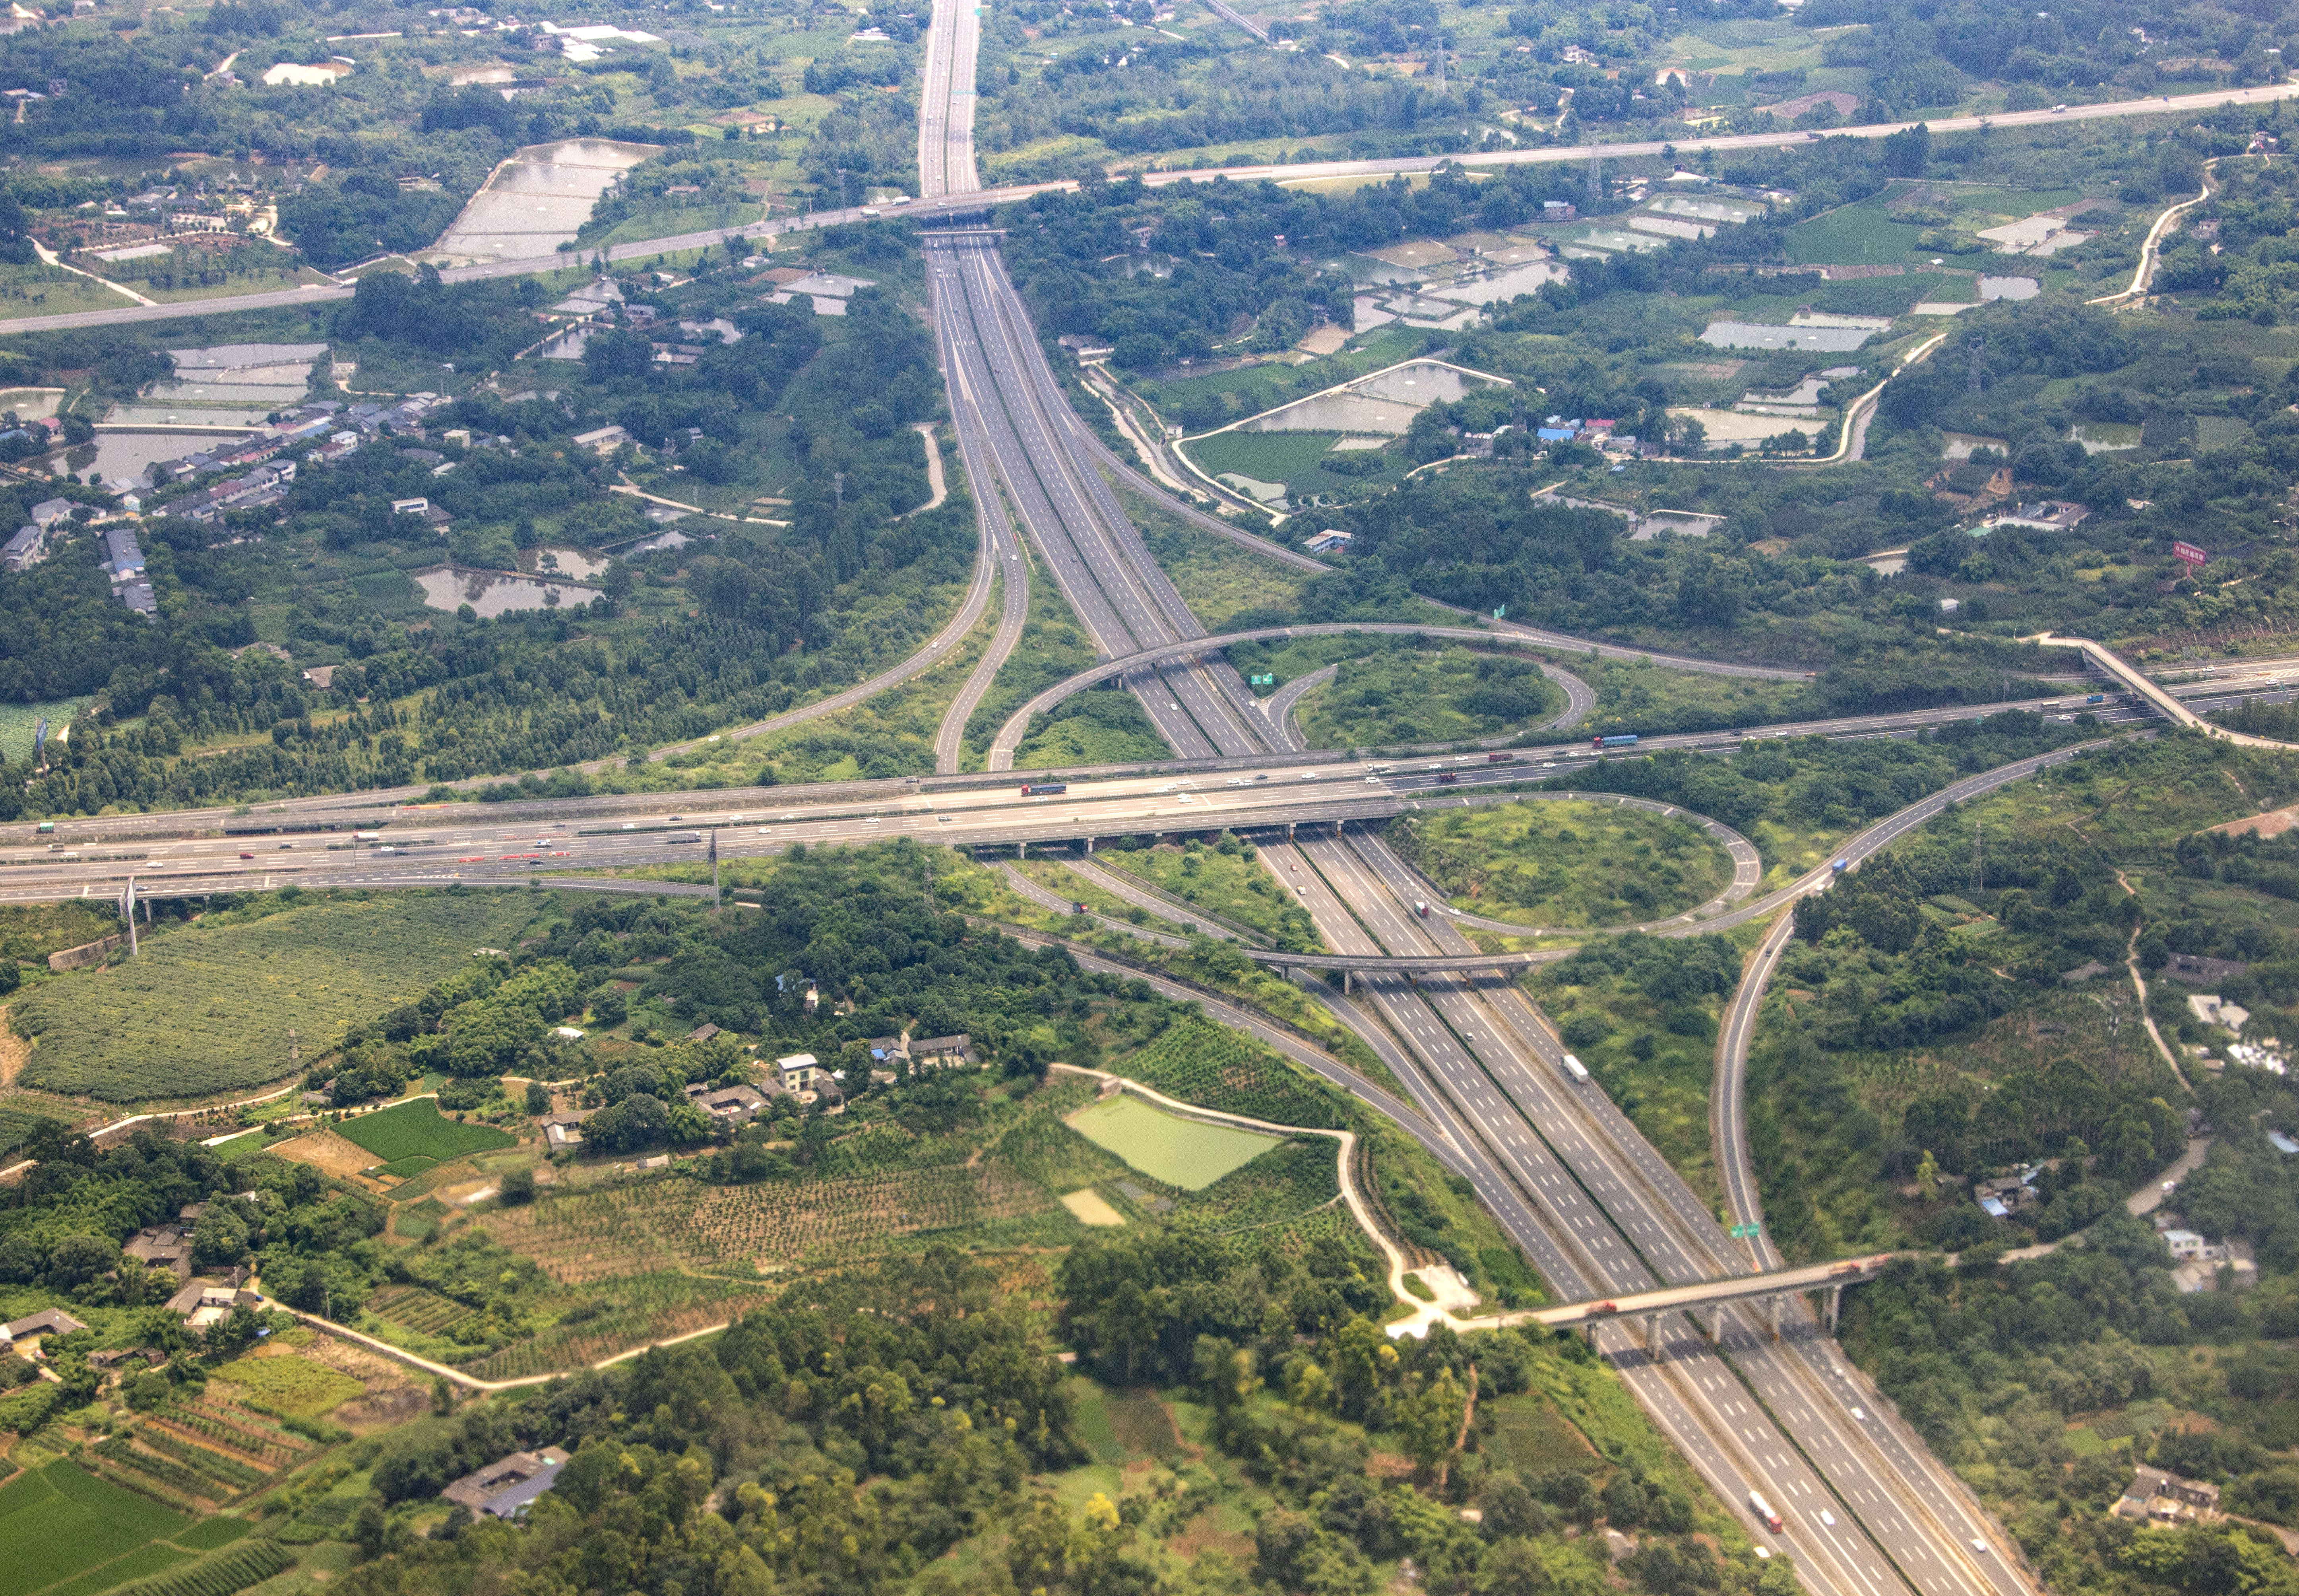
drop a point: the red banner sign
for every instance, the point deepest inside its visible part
(2190, 553)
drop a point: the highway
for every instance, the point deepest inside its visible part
(1609, 1215)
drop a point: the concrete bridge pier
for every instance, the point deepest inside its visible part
(1772, 1316)
(1835, 1307)
(1652, 1338)
(1022, 850)
(1088, 845)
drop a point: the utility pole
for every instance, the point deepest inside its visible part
(838, 491)
(714, 870)
(1595, 177)
(1978, 860)
(128, 900)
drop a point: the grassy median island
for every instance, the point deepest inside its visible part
(1570, 864)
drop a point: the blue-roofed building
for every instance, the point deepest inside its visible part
(123, 556)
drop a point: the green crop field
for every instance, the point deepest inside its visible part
(289, 1384)
(1869, 232)
(1565, 864)
(417, 1129)
(1297, 460)
(59, 1522)
(208, 1008)
(1183, 1152)
(19, 723)
(1199, 1061)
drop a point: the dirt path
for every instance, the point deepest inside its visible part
(2139, 985)
(935, 479)
(15, 1052)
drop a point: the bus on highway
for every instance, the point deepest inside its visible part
(1045, 789)
(1625, 740)
(1578, 1070)
(1763, 1510)
(673, 836)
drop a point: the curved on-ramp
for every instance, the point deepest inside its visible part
(1727, 1115)
(1010, 735)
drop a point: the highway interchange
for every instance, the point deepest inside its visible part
(1865, 1508)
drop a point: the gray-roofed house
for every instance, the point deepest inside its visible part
(946, 1051)
(49, 511)
(505, 1486)
(25, 1334)
(736, 1104)
(162, 1246)
(25, 549)
(2196, 970)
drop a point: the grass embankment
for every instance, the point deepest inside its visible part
(1226, 585)
(1228, 879)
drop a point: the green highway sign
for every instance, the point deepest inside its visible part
(1746, 1232)
(1264, 682)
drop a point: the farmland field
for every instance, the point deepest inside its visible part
(59, 1522)
(20, 722)
(1213, 1066)
(1297, 460)
(1185, 1152)
(208, 1008)
(1866, 233)
(290, 1385)
(417, 1129)
(1568, 863)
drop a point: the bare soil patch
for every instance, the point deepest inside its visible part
(332, 1154)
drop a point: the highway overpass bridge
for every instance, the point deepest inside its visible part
(1767, 1288)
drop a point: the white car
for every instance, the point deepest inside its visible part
(1827, 1518)
(1309, 775)
(1980, 1546)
